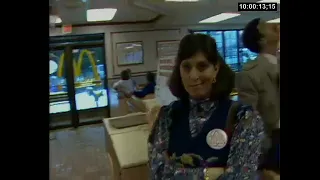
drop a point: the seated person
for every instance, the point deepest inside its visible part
(149, 88)
(125, 85)
(133, 81)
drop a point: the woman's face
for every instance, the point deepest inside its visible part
(198, 75)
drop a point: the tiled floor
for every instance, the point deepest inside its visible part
(79, 154)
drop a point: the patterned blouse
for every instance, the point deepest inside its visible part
(244, 152)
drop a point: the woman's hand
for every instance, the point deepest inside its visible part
(270, 175)
(214, 173)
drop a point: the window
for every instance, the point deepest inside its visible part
(217, 35)
(245, 55)
(59, 101)
(231, 49)
(201, 32)
(230, 46)
(90, 78)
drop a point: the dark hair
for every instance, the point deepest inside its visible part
(125, 75)
(251, 36)
(150, 77)
(129, 70)
(189, 46)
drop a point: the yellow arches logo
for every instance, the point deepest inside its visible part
(77, 67)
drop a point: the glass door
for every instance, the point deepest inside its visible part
(245, 55)
(78, 81)
(60, 114)
(90, 82)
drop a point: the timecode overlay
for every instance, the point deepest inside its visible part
(257, 7)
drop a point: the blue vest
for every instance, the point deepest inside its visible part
(181, 142)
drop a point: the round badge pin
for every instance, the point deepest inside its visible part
(217, 139)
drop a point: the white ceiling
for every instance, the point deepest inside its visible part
(74, 11)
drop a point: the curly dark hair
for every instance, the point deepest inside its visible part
(189, 46)
(251, 36)
(151, 78)
(125, 75)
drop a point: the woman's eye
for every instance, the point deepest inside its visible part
(202, 66)
(186, 67)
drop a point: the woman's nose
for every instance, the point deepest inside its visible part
(194, 74)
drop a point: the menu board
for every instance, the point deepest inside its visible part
(167, 52)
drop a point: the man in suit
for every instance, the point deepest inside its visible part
(258, 83)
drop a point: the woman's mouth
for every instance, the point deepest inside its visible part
(195, 85)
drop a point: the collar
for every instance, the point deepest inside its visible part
(206, 104)
(271, 58)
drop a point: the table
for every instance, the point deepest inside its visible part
(128, 151)
(142, 105)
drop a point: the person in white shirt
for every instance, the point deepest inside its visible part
(259, 82)
(133, 81)
(125, 84)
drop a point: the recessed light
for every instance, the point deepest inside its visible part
(274, 21)
(105, 14)
(220, 17)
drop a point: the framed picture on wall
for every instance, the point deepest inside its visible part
(167, 48)
(129, 53)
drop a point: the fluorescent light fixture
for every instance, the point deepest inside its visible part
(55, 19)
(274, 21)
(269, 1)
(105, 14)
(181, 0)
(220, 17)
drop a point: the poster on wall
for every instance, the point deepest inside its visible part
(129, 53)
(166, 52)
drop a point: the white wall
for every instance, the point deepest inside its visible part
(149, 39)
(146, 33)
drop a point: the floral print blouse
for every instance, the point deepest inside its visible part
(245, 145)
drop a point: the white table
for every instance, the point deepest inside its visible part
(128, 151)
